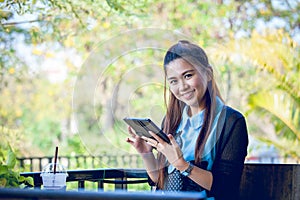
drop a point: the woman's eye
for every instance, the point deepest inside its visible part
(187, 76)
(172, 82)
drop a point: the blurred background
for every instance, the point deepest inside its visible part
(70, 71)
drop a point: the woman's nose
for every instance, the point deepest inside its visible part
(183, 85)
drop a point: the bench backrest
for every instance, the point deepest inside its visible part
(270, 181)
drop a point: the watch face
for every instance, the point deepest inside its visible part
(187, 172)
(184, 173)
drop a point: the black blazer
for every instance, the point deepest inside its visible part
(231, 151)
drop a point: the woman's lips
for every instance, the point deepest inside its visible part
(188, 95)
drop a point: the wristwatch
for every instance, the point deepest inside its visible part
(187, 172)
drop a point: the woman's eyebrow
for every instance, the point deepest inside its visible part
(170, 78)
(182, 74)
(188, 71)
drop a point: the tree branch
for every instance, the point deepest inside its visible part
(20, 22)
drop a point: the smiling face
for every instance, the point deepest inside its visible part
(187, 84)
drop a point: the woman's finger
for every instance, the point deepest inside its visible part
(157, 138)
(172, 139)
(131, 132)
(130, 141)
(150, 141)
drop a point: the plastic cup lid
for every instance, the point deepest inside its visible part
(49, 168)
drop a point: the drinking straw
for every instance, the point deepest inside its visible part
(55, 158)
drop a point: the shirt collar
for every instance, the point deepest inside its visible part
(195, 121)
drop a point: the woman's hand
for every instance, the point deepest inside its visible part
(138, 143)
(171, 151)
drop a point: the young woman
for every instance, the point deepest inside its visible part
(208, 139)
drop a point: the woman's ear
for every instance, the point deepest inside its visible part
(209, 84)
(209, 78)
(209, 73)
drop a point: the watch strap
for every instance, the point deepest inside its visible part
(188, 171)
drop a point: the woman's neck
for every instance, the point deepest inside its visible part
(194, 110)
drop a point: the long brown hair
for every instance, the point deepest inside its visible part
(196, 56)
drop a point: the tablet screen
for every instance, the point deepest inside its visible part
(142, 126)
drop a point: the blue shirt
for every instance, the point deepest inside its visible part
(190, 128)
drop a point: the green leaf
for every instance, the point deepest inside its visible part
(12, 181)
(15, 174)
(22, 179)
(22, 186)
(3, 182)
(29, 180)
(1, 154)
(3, 169)
(11, 159)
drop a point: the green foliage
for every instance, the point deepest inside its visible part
(279, 96)
(9, 177)
(41, 110)
(281, 106)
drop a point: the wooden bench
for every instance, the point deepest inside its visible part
(270, 181)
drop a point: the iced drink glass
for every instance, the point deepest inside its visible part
(54, 181)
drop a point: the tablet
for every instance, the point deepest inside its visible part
(142, 126)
